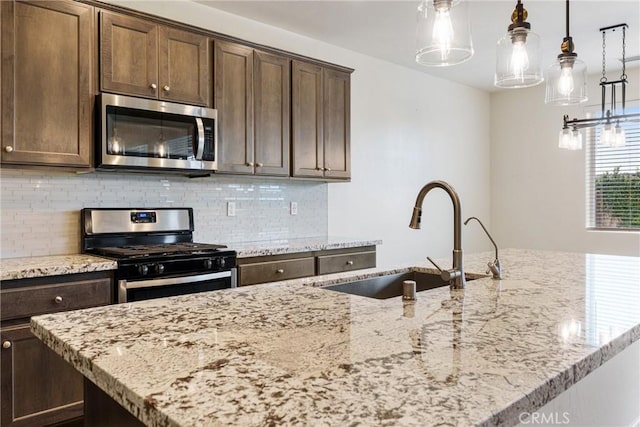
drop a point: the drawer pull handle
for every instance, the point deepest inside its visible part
(349, 262)
(58, 299)
(280, 271)
(6, 344)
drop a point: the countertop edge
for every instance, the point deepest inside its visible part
(254, 249)
(562, 381)
(54, 265)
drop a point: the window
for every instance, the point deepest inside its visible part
(613, 180)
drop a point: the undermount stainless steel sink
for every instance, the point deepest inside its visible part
(383, 287)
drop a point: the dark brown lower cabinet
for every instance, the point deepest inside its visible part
(38, 387)
(272, 268)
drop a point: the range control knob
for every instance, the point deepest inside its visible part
(208, 264)
(159, 268)
(143, 269)
(221, 262)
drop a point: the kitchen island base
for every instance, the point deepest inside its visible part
(102, 411)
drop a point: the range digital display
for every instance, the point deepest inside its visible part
(143, 217)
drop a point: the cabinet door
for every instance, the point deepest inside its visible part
(128, 55)
(184, 71)
(47, 90)
(272, 113)
(337, 150)
(233, 69)
(38, 386)
(307, 112)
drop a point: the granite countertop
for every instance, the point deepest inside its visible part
(40, 266)
(305, 244)
(292, 353)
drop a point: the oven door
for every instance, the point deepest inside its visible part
(138, 290)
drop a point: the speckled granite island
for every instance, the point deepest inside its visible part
(291, 353)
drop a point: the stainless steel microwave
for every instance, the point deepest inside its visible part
(139, 134)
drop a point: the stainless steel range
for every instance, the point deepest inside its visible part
(155, 252)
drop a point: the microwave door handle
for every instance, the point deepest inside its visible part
(200, 148)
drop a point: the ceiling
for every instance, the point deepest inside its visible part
(386, 30)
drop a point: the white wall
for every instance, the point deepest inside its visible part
(407, 128)
(537, 189)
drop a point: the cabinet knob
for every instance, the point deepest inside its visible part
(349, 262)
(327, 169)
(166, 88)
(319, 168)
(8, 149)
(280, 271)
(259, 165)
(249, 163)
(153, 86)
(6, 344)
(58, 299)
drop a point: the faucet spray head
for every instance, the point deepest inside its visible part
(415, 218)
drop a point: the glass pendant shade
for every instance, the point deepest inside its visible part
(619, 139)
(566, 82)
(612, 136)
(518, 61)
(570, 139)
(443, 33)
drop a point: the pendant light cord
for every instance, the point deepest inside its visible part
(624, 50)
(567, 17)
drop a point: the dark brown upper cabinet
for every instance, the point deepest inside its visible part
(320, 122)
(140, 58)
(252, 96)
(47, 83)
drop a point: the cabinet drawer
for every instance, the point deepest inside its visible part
(49, 298)
(273, 271)
(346, 262)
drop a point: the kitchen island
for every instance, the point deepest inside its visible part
(292, 353)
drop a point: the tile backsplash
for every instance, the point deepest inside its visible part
(40, 211)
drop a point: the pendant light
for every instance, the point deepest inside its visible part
(443, 33)
(518, 54)
(567, 77)
(612, 133)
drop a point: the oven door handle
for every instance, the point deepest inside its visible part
(123, 285)
(200, 149)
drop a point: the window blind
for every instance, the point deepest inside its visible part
(613, 179)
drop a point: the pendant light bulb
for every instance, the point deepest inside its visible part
(443, 31)
(566, 84)
(519, 58)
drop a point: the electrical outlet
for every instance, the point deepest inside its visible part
(294, 208)
(231, 208)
